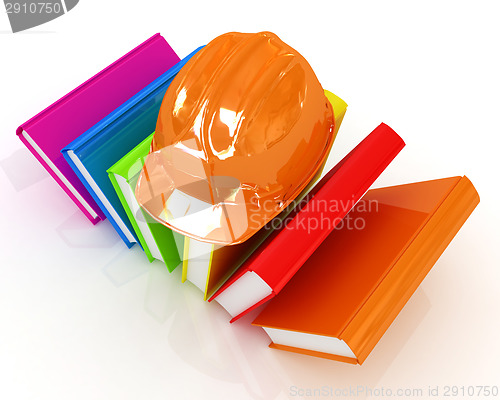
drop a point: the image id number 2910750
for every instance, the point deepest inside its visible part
(33, 8)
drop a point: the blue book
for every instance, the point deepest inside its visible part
(96, 150)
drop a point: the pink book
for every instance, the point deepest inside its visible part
(59, 124)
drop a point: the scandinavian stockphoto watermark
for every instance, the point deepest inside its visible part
(26, 14)
(324, 215)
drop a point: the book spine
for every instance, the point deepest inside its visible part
(384, 304)
(344, 185)
(130, 216)
(276, 260)
(313, 353)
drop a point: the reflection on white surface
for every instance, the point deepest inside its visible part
(98, 313)
(14, 166)
(75, 232)
(162, 292)
(126, 265)
(82, 307)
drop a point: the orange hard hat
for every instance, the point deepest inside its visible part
(242, 130)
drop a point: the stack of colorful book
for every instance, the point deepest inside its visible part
(334, 268)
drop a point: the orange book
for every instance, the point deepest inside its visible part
(343, 299)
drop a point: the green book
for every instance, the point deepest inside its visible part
(157, 241)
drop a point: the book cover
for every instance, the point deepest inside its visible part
(59, 124)
(92, 153)
(346, 295)
(158, 241)
(276, 261)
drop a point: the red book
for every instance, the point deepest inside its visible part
(276, 261)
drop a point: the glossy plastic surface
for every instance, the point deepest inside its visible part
(242, 130)
(224, 260)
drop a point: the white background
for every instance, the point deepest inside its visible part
(82, 317)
